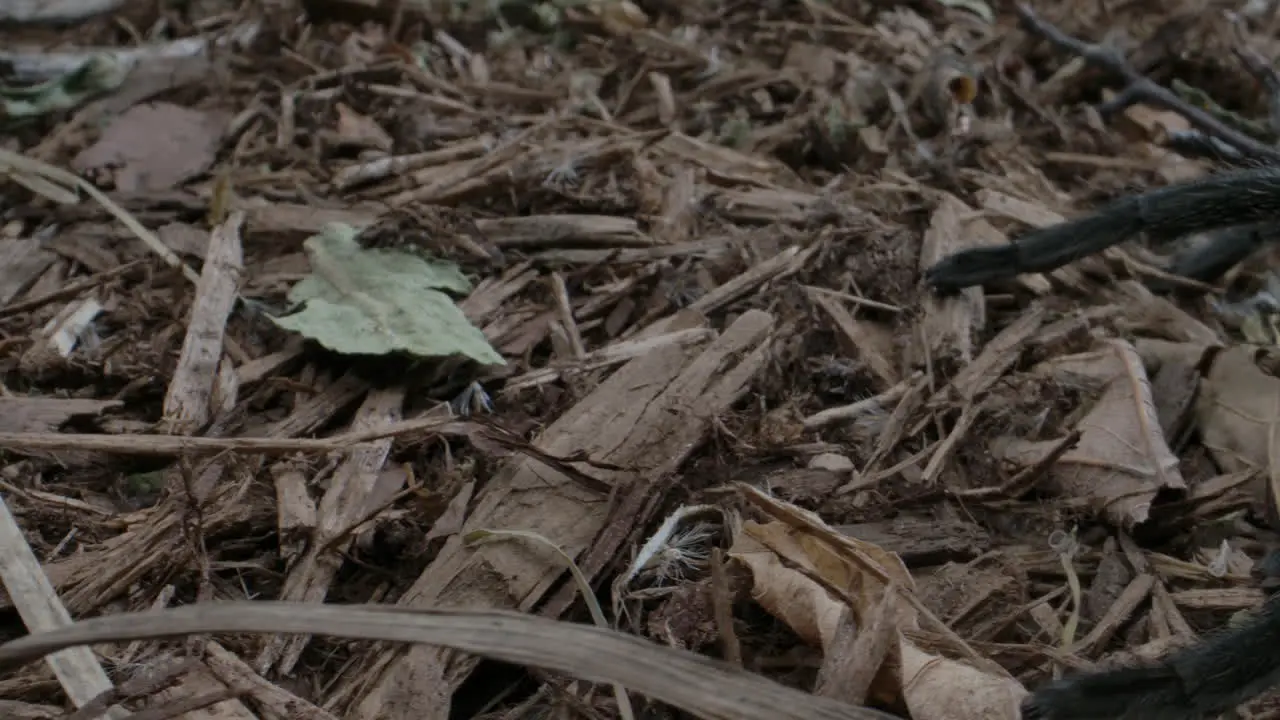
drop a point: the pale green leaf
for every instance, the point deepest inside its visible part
(379, 301)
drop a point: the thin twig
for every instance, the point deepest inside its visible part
(1139, 89)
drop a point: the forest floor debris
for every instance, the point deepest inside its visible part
(300, 301)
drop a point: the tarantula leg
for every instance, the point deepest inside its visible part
(1238, 198)
(1203, 680)
(1223, 250)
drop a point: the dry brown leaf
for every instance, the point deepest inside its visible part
(795, 574)
(796, 600)
(851, 665)
(1175, 369)
(795, 597)
(1122, 459)
(1238, 413)
(155, 147)
(938, 688)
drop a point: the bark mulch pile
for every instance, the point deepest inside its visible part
(578, 342)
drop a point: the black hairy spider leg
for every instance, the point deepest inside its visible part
(1233, 198)
(1223, 251)
(1233, 664)
(1228, 667)
(1110, 695)
(1040, 250)
(974, 266)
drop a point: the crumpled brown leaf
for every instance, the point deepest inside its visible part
(939, 688)
(805, 574)
(802, 603)
(1122, 460)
